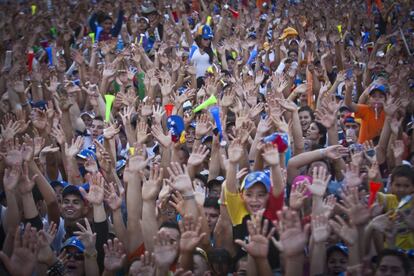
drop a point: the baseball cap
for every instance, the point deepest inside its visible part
(74, 190)
(148, 8)
(378, 87)
(91, 114)
(61, 183)
(206, 32)
(289, 31)
(143, 18)
(256, 177)
(351, 120)
(74, 241)
(216, 181)
(337, 247)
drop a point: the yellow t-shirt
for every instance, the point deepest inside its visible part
(405, 236)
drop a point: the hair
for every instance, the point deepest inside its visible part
(308, 109)
(211, 202)
(403, 171)
(99, 118)
(396, 253)
(170, 224)
(322, 132)
(208, 49)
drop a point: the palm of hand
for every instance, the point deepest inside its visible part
(320, 234)
(165, 254)
(150, 190)
(201, 129)
(328, 120)
(318, 187)
(113, 261)
(195, 159)
(182, 182)
(348, 234)
(296, 200)
(258, 246)
(114, 201)
(189, 241)
(271, 157)
(26, 185)
(95, 195)
(14, 157)
(137, 163)
(146, 110)
(235, 154)
(22, 261)
(146, 270)
(293, 241)
(352, 179)
(381, 223)
(110, 132)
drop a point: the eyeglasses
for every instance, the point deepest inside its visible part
(77, 256)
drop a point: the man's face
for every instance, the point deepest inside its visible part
(172, 233)
(212, 215)
(107, 25)
(190, 135)
(377, 98)
(255, 197)
(305, 120)
(97, 128)
(402, 186)
(75, 263)
(73, 207)
(390, 266)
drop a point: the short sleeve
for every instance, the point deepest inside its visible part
(361, 111)
(274, 204)
(235, 207)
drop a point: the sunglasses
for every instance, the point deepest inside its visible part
(77, 256)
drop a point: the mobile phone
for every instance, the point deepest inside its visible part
(8, 61)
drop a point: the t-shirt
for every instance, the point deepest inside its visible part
(239, 217)
(405, 235)
(370, 125)
(200, 61)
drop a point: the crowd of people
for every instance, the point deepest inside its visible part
(207, 137)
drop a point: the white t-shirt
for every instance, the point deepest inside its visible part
(200, 61)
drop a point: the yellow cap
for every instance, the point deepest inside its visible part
(289, 31)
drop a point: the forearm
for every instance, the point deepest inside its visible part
(381, 149)
(317, 267)
(12, 214)
(185, 261)
(263, 267)
(278, 184)
(72, 171)
(91, 266)
(134, 207)
(119, 226)
(99, 214)
(297, 134)
(29, 206)
(214, 164)
(294, 265)
(149, 225)
(231, 177)
(67, 125)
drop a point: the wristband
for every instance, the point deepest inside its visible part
(189, 197)
(322, 152)
(93, 254)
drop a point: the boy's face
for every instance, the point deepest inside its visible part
(377, 98)
(402, 186)
(390, 265)
(255, 197)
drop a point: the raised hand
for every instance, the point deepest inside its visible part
(191, 234)
(320, 229)
(115, 256)
(74, 148)
(58, 134)
(358, 212)
(351, 176)
(271, 154)
(325, 117)
(328, 205)
(335, 152)
(110, 131)
(86, 236)
(259, 236)
(203, 126)
(11, 177)
(103, 157)
(23, 258)
(320, 181)
(235, 151)
(228, 98)
(181, 180)
(157, 113)
(293, 238)
(45, 254)
(152, 185)
(95, 195)
(26, 183)
(370, 152)
(142, 132)
(198, 155)
(14, 154)
(345, 231)
(158, 133)
(112, 197)
(298, 195)
(146, 107)
(137, 161)
(398, 149)
(165, 250)
(144, 267)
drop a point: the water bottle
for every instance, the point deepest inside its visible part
(120, 44)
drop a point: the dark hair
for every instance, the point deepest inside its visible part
(308, 109)
(403, 171)
(396, 253)
(211, 202)
(322, 132)
(99, 118)
(170, 224)
(208, 49)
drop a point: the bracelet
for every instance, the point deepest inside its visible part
(189, 197)
(57, 269)
(90, 255)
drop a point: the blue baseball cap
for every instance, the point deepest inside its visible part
(207, 32)
(256, 177)
(120, 164)
(56, 183)
(378, 87)
(74, 241)
(175, 124)
(74, 190)
(86, 152)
